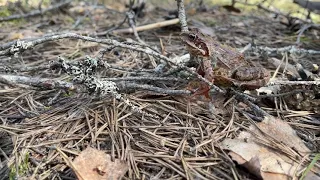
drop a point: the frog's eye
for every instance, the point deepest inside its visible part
(192, 37)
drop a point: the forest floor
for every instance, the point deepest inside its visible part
(82, 97)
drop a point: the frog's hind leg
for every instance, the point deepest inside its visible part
(199, 88)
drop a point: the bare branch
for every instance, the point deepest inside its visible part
(287, 49)
(182, 16)
(153, 88)
(144, 78)
(317, 82)
(39, 82)
(36, 12)
(131, 21)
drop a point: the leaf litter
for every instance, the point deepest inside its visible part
(47, 133)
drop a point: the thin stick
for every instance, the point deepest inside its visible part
(317, 82)
(148, 27)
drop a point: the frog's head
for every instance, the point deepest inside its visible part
(196, 42)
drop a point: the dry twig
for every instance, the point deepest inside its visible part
(36, 12)
(147, 27)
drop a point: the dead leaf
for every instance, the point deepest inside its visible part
(263, 161)
(259, 160)
(282, 132)
(93, 164)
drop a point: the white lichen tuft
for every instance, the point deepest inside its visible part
(20, 45)
(108, 87)
(84, 73)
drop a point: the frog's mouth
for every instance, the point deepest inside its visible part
(196, 50)
(202, 48)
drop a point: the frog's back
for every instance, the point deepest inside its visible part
(228, 57)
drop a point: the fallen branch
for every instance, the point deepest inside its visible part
(35, 13)
(153, 88)
(21, 46)
(287, 49)
(144, 78)
(317, 82)
(45, 83)
(38, 82)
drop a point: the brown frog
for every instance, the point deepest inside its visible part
(223, 65)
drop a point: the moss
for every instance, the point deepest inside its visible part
(68, 94)
(68, 19)
(4, 12)
(22, 170)
(306, 39)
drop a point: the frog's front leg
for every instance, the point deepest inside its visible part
(193, 61)
(208, 65)
(206, 71)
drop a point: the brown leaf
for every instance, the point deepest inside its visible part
(263, 161)
(282, 132)
(93, 164)
(260, 161)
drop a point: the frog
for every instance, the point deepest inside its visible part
(221, 64)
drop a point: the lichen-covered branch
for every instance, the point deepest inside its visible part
(21, 46)
(182, 16)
